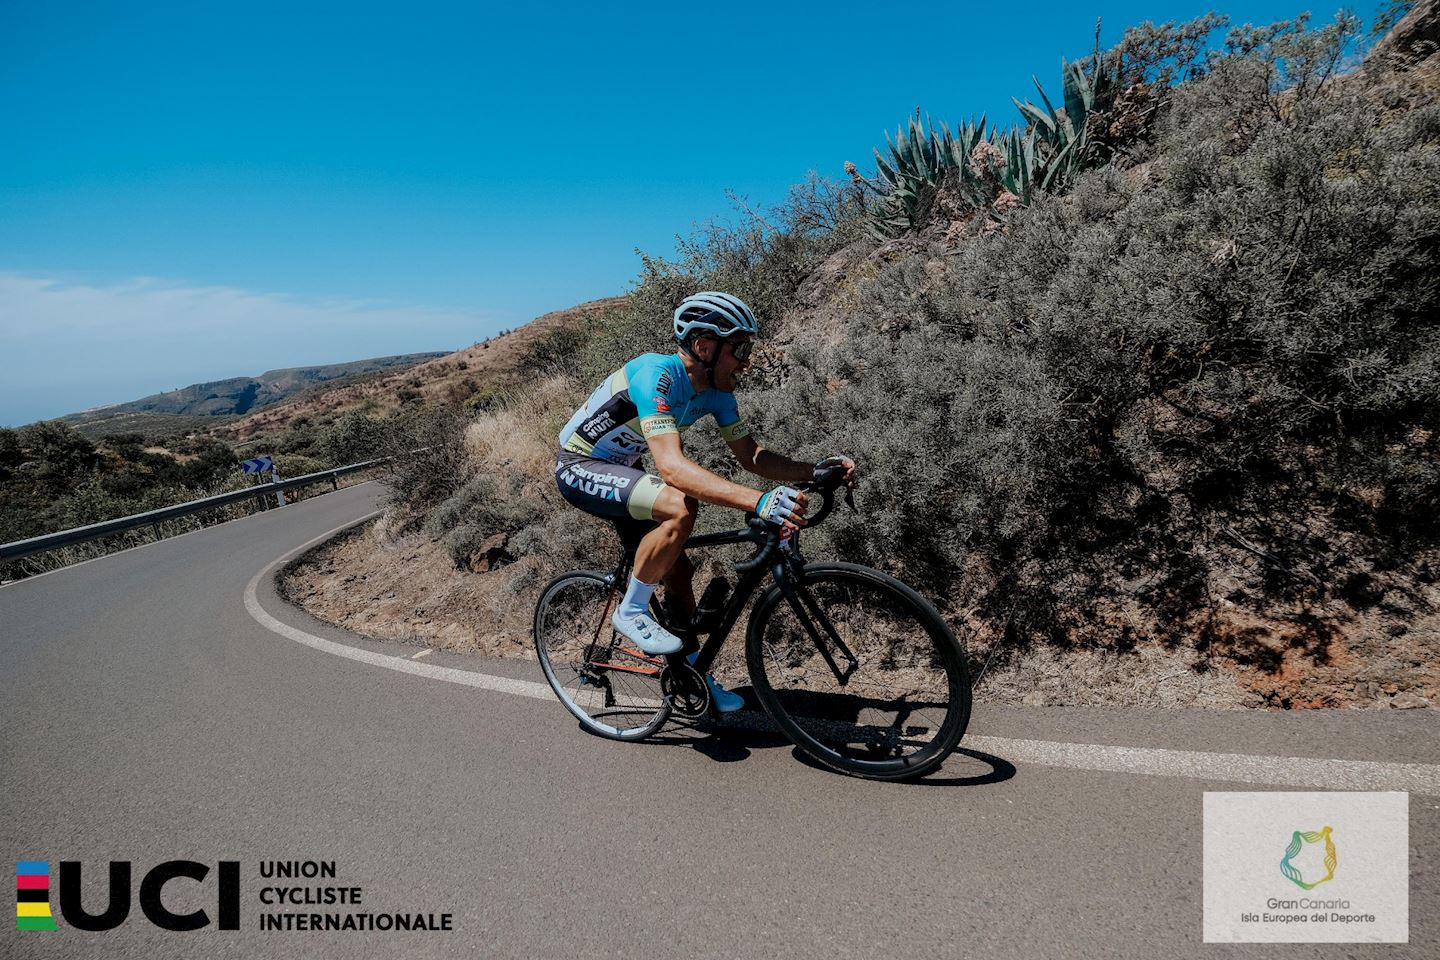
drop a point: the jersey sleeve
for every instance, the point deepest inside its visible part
(652, 391)
(727, 415)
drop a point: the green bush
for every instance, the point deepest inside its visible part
(763, 260)
(557, 351)
(426, 447)
(353, 438)
(483, 507)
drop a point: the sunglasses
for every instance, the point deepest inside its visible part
(741, 349)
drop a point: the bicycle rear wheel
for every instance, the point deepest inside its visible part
(865, 677)
(609, 685)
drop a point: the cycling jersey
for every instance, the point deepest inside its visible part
(648, 396)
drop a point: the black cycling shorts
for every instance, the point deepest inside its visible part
(610, 490)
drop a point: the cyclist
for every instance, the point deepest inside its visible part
(647, 404)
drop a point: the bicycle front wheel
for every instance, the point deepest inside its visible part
(610, 686)
(860, 672)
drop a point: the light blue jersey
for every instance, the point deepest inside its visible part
(648, 396)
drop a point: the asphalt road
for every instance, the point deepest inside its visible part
(148, 715)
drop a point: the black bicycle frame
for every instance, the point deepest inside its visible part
(750, 572)
(770, 558)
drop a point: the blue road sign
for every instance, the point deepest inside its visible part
(258, 465)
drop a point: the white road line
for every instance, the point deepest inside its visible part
(1420, 778)
(423, 653)
(523, 688)
(1243, 768)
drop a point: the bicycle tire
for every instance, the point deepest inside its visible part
(599, 687)
(910, 688)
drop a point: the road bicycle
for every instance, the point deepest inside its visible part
(856, 668)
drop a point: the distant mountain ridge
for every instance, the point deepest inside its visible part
(237, 396)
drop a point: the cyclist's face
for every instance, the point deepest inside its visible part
(733, 359)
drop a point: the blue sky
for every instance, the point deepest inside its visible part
(196, 191)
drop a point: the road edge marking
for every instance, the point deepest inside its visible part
(1319, 772)
(469, 678)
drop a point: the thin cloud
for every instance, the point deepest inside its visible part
(67, 346)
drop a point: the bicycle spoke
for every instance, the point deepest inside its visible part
(613, 689)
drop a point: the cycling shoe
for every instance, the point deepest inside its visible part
(724, 700)
(646, 634)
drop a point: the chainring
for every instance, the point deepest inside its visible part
(687, 691)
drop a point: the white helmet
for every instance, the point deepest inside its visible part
(719, 313)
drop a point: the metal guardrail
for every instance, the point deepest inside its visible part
(65, 538)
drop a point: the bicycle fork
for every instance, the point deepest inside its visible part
(807, 611)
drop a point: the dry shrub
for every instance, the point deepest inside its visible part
(520, 436)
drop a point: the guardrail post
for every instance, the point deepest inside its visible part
(334, 481)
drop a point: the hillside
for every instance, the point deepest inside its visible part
(186, 443)
(192, 406)
(488, 366)
(1143, 392)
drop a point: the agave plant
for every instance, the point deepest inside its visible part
(1062, 135)
(1045, 156)
(921, 158)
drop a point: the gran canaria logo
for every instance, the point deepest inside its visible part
(1297, 842)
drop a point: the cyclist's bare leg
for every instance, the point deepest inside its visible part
(661, 553)
(680, 586)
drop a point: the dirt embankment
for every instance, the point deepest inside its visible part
(406, 591)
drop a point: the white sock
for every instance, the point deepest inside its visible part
(637, 599)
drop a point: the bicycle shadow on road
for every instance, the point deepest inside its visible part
(735, 736)
(964, 768)
(730, 739)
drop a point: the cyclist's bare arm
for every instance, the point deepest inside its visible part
(693, 480)
(769, 464)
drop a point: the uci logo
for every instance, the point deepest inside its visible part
(32, 896)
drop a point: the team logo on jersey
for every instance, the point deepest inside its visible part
(661, 405)
(603, 485)
(594, 428)
(663, 383)
(626, 440)
(652, 426)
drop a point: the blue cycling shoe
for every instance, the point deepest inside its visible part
(724, 700)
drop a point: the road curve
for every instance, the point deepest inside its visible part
(150, 716)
